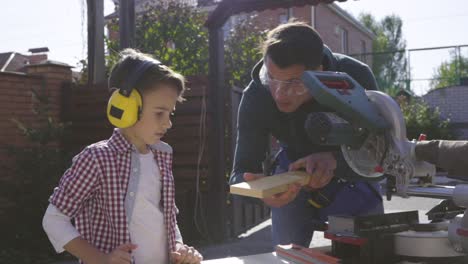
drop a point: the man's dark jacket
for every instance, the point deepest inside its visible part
(259, 117)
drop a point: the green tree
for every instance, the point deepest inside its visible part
(389, 64)
(450, 72)
(174, 33)
(420, 118)
(242, 52)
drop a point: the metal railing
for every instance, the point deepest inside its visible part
(420, 66)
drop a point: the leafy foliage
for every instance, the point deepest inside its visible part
(243, 51)
(450, 72)
(389, 64)
(173, 33)
(420, 118)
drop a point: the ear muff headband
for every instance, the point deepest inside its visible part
(125, 104)
(135, 75)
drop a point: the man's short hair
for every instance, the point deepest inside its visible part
(294, 43)
(130, 59)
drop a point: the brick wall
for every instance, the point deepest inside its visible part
(452, 103)
(16, 101)
(327, 22)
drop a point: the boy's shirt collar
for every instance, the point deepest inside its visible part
(118, 142)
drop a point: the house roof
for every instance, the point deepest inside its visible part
(39, 50)
(351, 19)
(4, 59)
(16, 62)
(112, 16)
(438, 90)
(12, 61)
(227, 8)
(52, 63)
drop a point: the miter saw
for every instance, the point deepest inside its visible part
(369, 127)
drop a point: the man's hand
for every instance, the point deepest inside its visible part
(185, 255)
(120, 255)
(279, 199)
(320, 165)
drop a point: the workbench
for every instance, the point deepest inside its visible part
(266, 258)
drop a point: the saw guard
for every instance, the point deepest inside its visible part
(390, 152)
(366, 159)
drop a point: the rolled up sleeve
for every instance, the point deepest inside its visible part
(77, 185)
(58, 228)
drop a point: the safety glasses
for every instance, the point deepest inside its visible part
(288, 88)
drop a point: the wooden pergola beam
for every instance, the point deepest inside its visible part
(96, 60)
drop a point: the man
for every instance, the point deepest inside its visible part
(277, 103)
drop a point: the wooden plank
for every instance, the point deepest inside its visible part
(190, 119)
(190, 174)
(301, 255)
(266, 258)
(189, 160)
(189, 147)
(189, 133)
(270, 185)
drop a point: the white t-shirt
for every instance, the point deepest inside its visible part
(146, 226)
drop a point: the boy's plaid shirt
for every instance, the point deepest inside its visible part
(93, 190)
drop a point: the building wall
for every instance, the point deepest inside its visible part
(327, 22)
(452, 103)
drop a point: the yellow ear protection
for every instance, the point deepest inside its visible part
(125, 104)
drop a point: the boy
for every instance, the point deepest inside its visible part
(120, 191)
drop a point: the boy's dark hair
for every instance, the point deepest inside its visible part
(130, 59)
(294, 43)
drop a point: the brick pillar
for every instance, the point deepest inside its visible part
(55, 75)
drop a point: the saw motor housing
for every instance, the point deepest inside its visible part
(368, 125)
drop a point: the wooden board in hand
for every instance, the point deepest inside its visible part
(270, 185)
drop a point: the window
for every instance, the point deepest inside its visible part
(344, 40)
(290, 13)
(312, 16)
(363, 51)
(283, 18)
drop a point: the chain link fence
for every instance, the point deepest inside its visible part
(418, 70)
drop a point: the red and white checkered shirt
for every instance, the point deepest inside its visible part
(93, 191)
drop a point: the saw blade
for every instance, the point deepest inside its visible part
(367, 158)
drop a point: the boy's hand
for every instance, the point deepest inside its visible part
(279, 199)
(120, 255)
(320, 165)
(185, 255)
